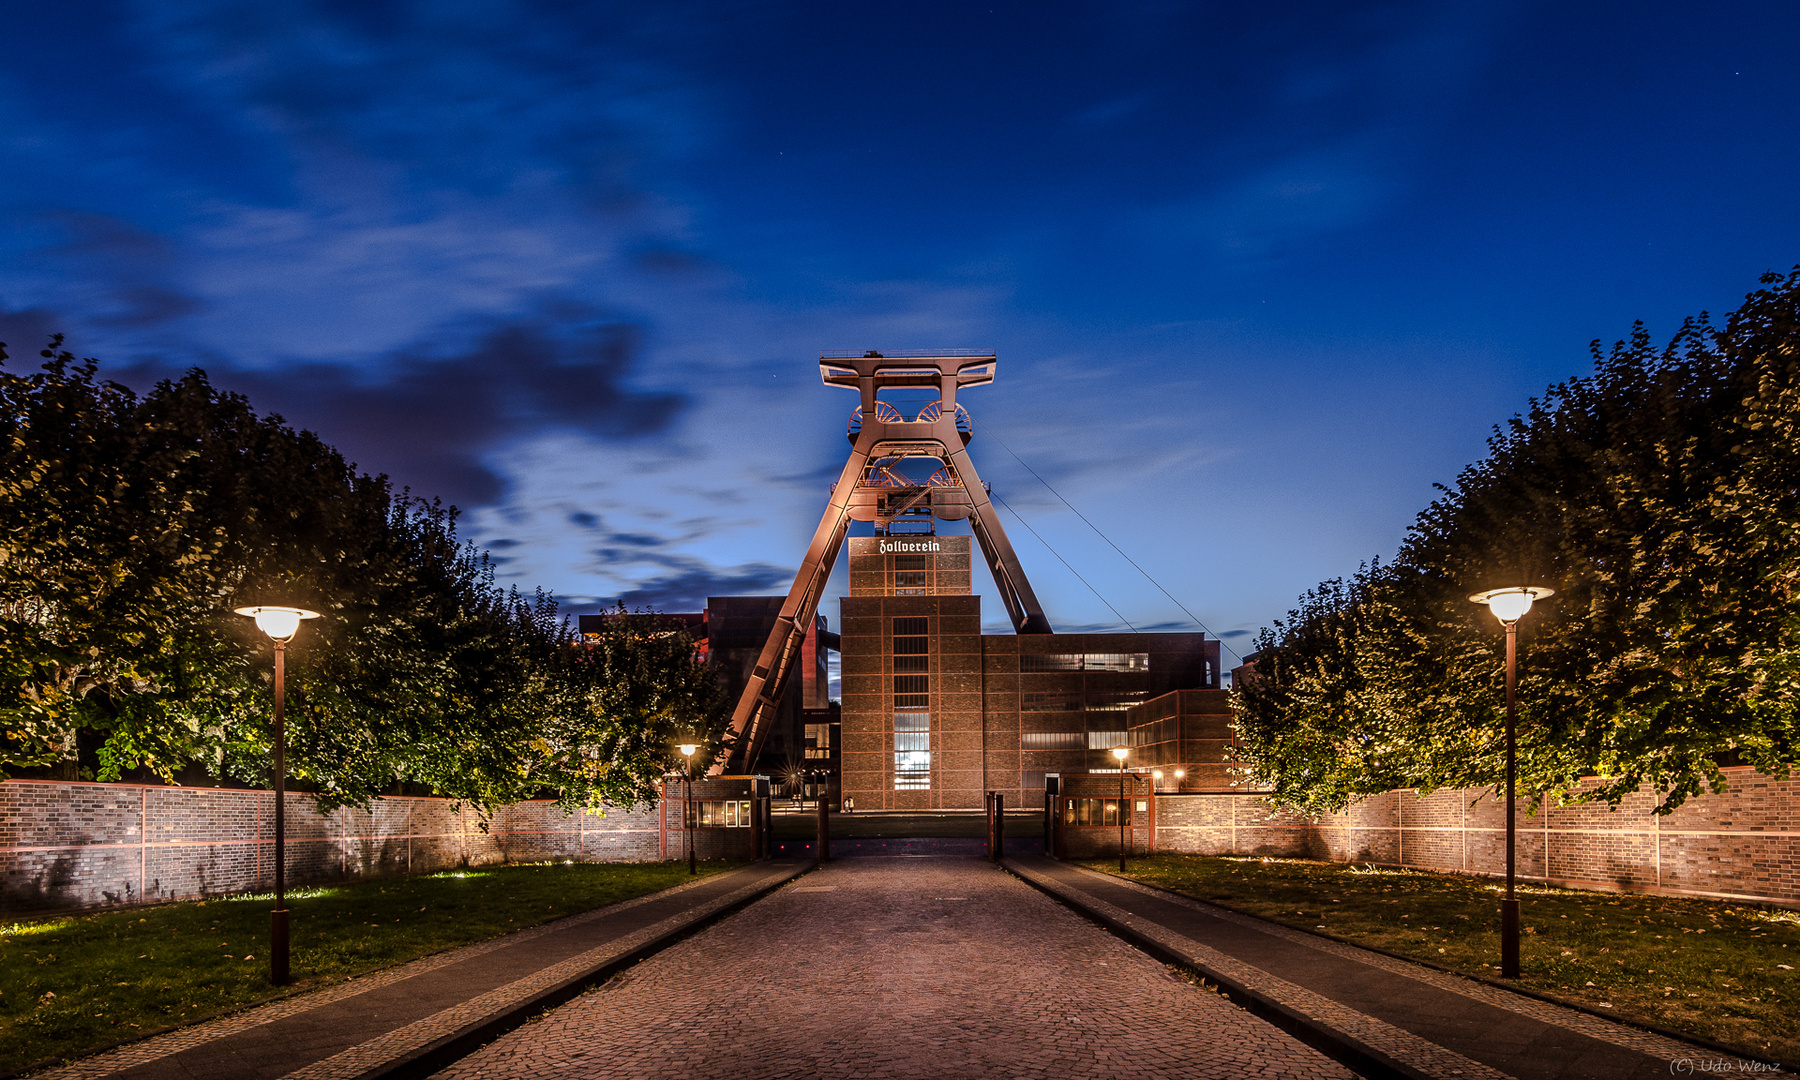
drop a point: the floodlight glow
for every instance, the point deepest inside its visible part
(1120, 752)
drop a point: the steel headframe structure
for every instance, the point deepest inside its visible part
(871, 488)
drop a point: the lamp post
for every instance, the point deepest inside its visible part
(687, 802)
(1119, 752)
(1509, 606)
(280, 624)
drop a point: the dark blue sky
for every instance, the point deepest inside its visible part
(1258, 274)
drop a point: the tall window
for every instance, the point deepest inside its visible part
(912, 703)
(910, 573)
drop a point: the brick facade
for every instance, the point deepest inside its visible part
(1743, 843)
(72, 845)
(719, 809)
(1098, 836)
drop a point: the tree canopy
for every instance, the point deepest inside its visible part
(131, 525)
(1660, 497)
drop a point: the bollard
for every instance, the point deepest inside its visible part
(999, 826)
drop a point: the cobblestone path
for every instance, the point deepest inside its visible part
(920, 967)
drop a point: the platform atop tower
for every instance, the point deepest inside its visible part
(907, 369)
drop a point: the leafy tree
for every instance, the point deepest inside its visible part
(1659, 497)
(131, 526)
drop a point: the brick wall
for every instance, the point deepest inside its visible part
(70, 845)
(1077, 841)
(733, 841)
(1743, 843)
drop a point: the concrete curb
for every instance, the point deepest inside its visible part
(1573, 1005)
(422, 1059)
(1353, 1053)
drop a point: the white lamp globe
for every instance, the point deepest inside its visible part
(1510, 605)
(1120, 752)
(687, 749)
(280, 623)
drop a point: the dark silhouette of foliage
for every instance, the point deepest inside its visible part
(1660, 497)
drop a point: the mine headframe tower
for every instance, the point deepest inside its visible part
(873, 487)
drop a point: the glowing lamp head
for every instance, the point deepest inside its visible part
(1157, 774)
(1510, 605)
(1120, 752)
(280, 623)
(687, 749)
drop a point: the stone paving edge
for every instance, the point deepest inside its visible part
(1349, 1051)
(441, 1052)
(1686, 1039)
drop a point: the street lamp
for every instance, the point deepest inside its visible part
(687, 804)
(1119, 752)
(280, 623)
(1509, 606)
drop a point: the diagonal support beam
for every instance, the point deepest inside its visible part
(755, 712)
(1009, 576)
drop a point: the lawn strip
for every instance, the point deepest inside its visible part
(72, 984)
(1718, 970)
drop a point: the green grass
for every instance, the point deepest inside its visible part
(886, 826)
(72, 984)
(1722, 971)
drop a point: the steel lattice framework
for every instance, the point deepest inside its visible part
(872, 488)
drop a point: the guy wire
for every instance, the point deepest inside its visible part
(990, 433)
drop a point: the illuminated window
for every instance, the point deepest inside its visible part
(820, 737)
(1084, 661)
(912, 703)
(1091, 812)
(1054, 740)
(728, 813)
(912, 751)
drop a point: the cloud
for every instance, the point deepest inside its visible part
(431, 421)
(687, 588)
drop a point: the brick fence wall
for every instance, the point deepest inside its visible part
(1742, 844)
(71, 845)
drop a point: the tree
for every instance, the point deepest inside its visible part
(1658, 496)
(129, 528)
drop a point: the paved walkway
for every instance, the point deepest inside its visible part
(412, 1018)
(1402, 1018)
(901, 966)
(909, 959)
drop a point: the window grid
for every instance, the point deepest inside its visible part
(912, 703)
(1092, 812)
(1084, 662)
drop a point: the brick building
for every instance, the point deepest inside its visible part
(936, 713)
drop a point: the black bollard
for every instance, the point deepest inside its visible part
(999, 826)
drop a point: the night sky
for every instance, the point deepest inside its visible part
(1258, 274)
